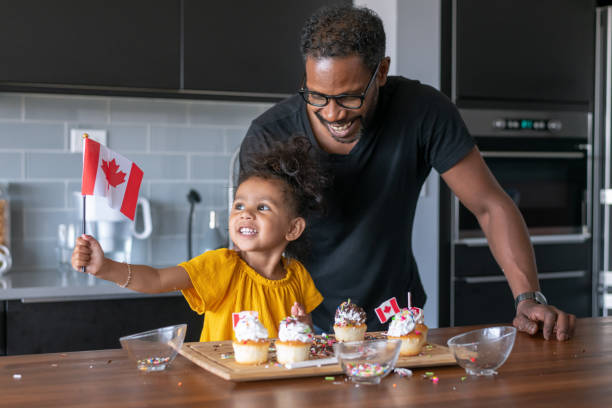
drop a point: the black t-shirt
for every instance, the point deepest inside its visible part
(362, 247)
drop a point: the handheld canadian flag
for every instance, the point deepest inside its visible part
(241, 315)
(387, 309)
(110, 175)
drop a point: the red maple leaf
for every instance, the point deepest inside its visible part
(113, 177)
(387, 309)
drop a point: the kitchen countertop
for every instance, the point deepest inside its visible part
(538, 373)
(61, 284)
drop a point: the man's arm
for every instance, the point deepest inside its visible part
(504, 227)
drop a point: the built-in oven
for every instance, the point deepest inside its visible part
(541, 159)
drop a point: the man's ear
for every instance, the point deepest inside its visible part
(296, 228)
(383, 71)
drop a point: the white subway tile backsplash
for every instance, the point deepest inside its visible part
(43, 223)
(233, 139)
(120, 137)
(27, 195)
(186, 139)
(33, 136)
(214, 194)
(63, 108)
(209, 167)
(161, 166)
(179, 144)
(224, 113)
(10, 166)
(10, 106)
(53, 165)
(147, 110)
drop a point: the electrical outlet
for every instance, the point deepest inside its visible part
(76, 138)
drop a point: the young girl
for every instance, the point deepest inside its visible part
(281, 189)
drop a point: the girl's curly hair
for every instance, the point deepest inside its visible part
(293, 162)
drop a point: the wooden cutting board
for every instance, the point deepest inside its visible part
(217, 357)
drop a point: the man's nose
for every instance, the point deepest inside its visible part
(332, 112)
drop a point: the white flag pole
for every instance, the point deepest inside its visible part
(85, 136)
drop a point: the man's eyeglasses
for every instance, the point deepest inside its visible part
(347, 101)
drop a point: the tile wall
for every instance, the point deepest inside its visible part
(179, 144)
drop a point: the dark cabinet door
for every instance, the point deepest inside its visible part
(90, 325)
(524, 50)
(114, 43)
(246, 47)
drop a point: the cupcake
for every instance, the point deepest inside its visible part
(402, 327)
(294, 340)
(419, 320)
(251, 344)
(349, 323)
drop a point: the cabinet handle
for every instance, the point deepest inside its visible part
(541, 276)
(533, 155)
(535, 239)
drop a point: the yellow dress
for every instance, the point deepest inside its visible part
(224, 284)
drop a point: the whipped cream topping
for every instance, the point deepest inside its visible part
(417, 315)
(250, 328)
(291, 329)
(349, 314)
(401, 324)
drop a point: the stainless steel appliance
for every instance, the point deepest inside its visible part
(542, 160)
(521, 73)
(602, 173)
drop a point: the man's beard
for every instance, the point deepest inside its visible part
(364, 123)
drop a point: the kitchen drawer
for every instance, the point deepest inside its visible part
(492, 302)
(478, 261)
(93, 324)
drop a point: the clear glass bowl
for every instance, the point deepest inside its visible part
(154, 350)
(368, 361)
(483, 351)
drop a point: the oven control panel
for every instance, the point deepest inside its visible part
(509, 123)
(537, 125)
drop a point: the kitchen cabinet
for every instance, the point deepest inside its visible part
(524, 53)
(48, 327)
(168, 48)
(90, 44)
(250, 47)
(482, 295)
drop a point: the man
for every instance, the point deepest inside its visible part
(379, 137)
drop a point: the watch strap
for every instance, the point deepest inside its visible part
(537, 296)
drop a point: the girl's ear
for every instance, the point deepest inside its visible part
(296, 227)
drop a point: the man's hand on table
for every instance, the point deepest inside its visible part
(530, 316)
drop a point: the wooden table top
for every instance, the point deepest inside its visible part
(538, 373)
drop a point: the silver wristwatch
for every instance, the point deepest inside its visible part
(537, 296)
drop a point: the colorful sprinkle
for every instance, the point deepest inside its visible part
(180, 384)
(225, 356)
(330, 378)
(429, 373)
(152, 361)
(435, 380)
(463, 378)
(365, 369)
(17, 376)
(472, 359)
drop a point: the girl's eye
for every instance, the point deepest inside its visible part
(262, 207)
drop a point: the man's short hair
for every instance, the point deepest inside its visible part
(343, 31)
